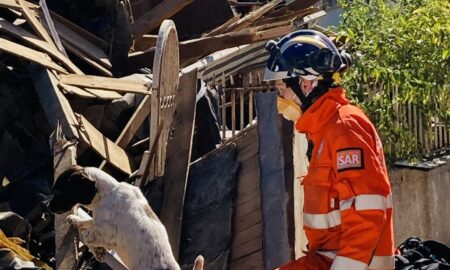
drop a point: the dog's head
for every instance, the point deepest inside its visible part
(72, 186)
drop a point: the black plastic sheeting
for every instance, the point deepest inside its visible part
(208, 210)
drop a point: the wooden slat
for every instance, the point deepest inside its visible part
(247, 221)
(252, 261)
(253, 16)
(76, 51)
(90, 93)
(81, 44)
(145, 42)
(36, 42)
(286, 17)
(103, 146)
(153, 18)
(64, 156)
(98, 82)
(192, 50)
(29, 54)
(249, 206)
(44, 15)
(35, 24)
(221, 28)
(95, 40)
(233, 112)
(246, 248)
(178, 157)
(135, 122)
(249, 234)
(291, 7)
(55, 105)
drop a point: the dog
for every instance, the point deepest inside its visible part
(122, 219)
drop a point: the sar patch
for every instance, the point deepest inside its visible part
(350, 159)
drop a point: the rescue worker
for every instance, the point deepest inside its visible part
(348, 203)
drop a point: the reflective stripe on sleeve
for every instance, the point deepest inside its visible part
(344, 263)
(367, 202)
(322, 221)
(329, 254)
(382, 262)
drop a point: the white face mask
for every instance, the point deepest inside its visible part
(307, 86)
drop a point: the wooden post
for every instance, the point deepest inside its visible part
(224, 109)
(233, 107)
(250, 98)
(178, 156)
(241, 107)
(64, 154)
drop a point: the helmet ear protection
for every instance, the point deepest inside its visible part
(346, 59)
(323, 60)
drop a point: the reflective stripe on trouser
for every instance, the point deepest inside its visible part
(378, 262)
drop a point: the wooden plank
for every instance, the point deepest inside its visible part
(145, 42)
(291, 7)
(192, 50)
(249, 206)
(178, 158)
(254, 185)
(247, 221)
(153, 18)
(147, 160)
(98, 82)
(64, 156)
(235, 59)
(135, 122)
(78, 52)
(45, 14)
(95, 40)
(221, 28)
(166, 67)
(90, 93)
(252, 164)
(253, 16)
(81, 44)
(247, 191)
(29, 54)
(55, 105)
(246, 248)
(252, 261)
(103, 146)
(36, 42)
(286, 17)
(35, 24)
(241, 237)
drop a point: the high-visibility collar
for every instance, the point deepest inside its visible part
(321, 111)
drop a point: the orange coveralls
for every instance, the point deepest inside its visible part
(348, 202)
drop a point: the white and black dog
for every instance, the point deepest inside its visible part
(122, 219)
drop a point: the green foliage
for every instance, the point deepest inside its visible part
(401, 53)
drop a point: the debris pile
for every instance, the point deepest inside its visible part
(119, 83)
